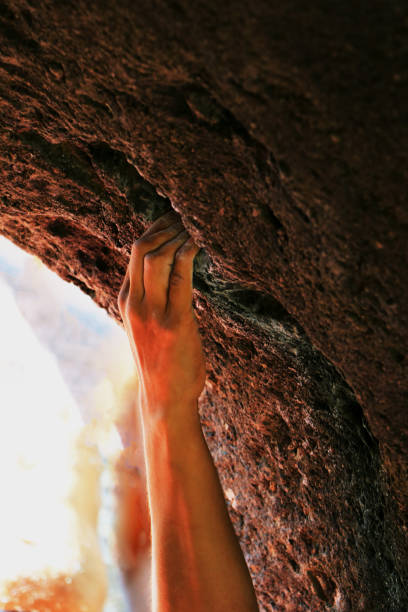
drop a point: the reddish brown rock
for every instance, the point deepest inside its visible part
(278, 133)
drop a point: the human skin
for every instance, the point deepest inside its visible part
(197, 563)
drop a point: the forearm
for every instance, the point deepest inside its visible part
(197, 561)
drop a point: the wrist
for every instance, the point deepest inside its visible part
(173, 420)
(171, 445)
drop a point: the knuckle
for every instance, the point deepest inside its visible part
(175, 320)
(166, 248)
(155, 317)
(169, 327)
(183, 253)
(137, 246)
(131, 312)
(148, 260)
(142, 244)
(145, 240)
(152, 257)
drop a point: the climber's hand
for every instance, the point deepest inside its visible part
(155, 302)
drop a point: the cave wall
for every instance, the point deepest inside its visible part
(278, 133)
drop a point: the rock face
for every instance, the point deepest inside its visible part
(277, 131)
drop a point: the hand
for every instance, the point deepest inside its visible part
(155, 302)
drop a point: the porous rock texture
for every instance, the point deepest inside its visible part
(278, 132)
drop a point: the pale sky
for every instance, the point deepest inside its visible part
(62, 364)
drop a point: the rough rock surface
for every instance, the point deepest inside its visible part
(277, 130)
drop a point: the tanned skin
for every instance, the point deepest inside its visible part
(197, 563)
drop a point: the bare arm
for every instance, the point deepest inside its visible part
(197, 563)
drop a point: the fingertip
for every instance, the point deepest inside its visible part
(196, 250)
(190, 249)
(190, 244)
(167, 215)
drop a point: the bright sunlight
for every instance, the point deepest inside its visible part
(65, 371)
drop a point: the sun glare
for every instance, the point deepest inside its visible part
(37, 444)
(53, 449)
